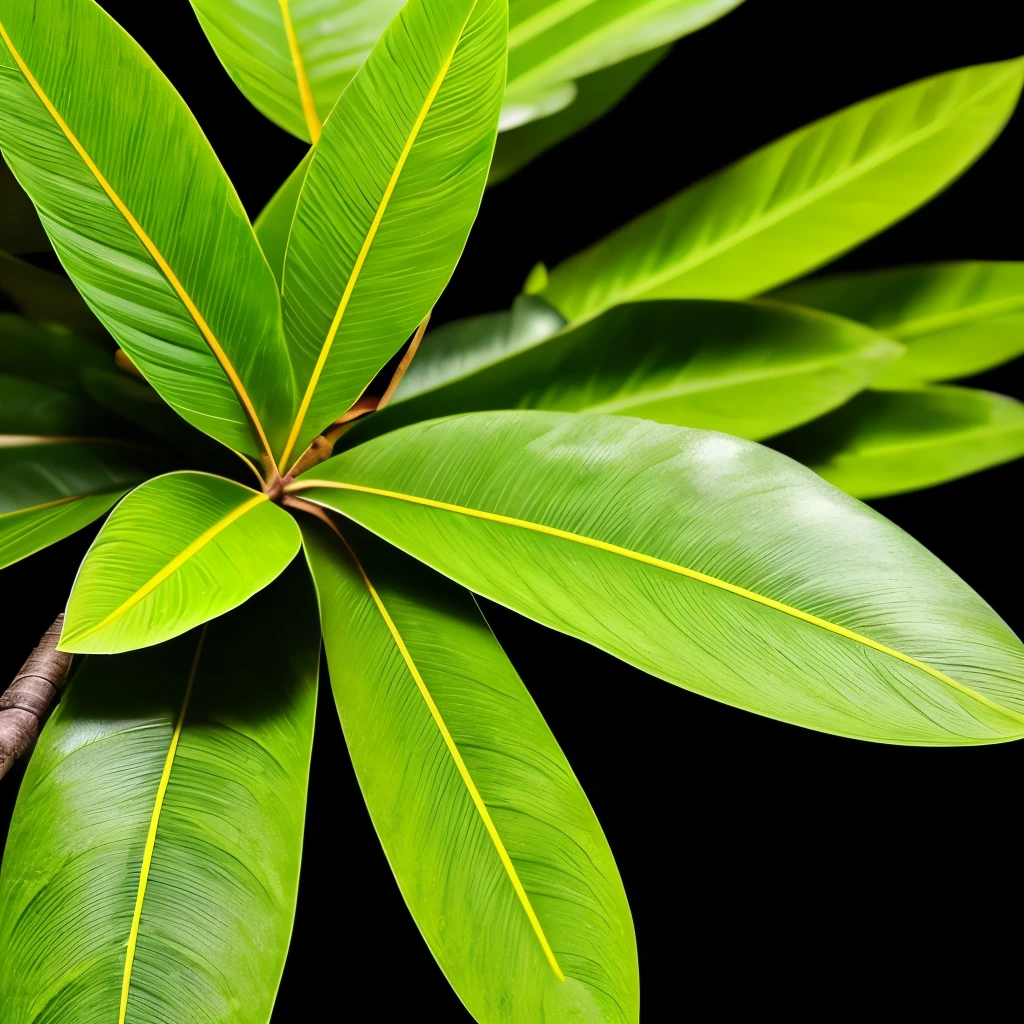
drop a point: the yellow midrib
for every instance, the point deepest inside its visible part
(215, 347)
(371, 234)
(309, 111)
(173, 565)
(154, 821)
(661, 563)
(460, 764)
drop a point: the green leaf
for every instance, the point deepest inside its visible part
(20, 230)
(596, 94)
(392, 191)
(800, 201)
(553, 41)
(889, 442)
(47, 354)
(144, 218)
(49, 489)
(30, 408)
(153, 861)
(956, 319)
(492, 841)
(274, 223)
(178, 551)
(712, 562)
(753, 369)
(293, 58)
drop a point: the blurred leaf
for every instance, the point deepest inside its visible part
(20, 230)
(30, 408)
(47, 354)
(48, 297)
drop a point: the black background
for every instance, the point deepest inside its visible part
(767, 867)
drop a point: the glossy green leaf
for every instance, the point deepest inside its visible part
(177, 552)
(753, 369)
(712, 562)
(30, 408)
(888, 442)
(20, 230)
(493, 843)
(392, 191)
(554, 41)
(956, 319)
(50, 489)
(47, 354)
(800, 201)
(274, 223)
(48, 297)
(596, 94)
(152, 866)
(293, 58)
(144, 218)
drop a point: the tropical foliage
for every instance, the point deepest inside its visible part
(229, 395)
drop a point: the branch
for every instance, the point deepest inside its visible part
(26, 702)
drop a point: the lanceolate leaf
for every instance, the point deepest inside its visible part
(596, 94)
(152, 865)
(178, 551)
(493, 843)
(799, 202)
(888, 442)
(956, 319)
(391, 193)
(144, 218)
(52, 487)
(710, 561)
(274, 223)
(748, 368)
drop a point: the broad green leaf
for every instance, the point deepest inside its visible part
(177, 552)
(712, 562)
(274, 223)
(293, 58)
(30, 408)
(753, 369)
(20, 230)
(800, 201)
(48, 297)
(492, 841)
(391, 193)
(47, 354)
(152, 865)
(888, 442)
(956, 319)
(596, 94)
(144, 218)
(554, 41)
(50, 488)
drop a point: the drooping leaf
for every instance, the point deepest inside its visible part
(152, 865)
(49, 489)
(493, 843)
(889, 442)
(274, 223)
(20, 230)
(956, 319)
(596, 94)
(712, 562)
(177, 552)
(144, 218)
(47, 354)
(753, 369)
(798, 202)
(37, 409)
(48, 297)
(554, 41)
(293, 58)
(391, 193)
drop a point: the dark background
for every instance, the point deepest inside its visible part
(768, 868)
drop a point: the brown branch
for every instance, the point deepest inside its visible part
(26, 702)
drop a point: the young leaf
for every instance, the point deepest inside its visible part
(596, 94)
(800, 201)
(390, 196)
(712, 562)
(153, 860)
(956, 319)
(492, 841)
(293, 58)
(52, 487)
(178, 551)
(274, 223)
(144, 218)
(889, 442)
(753, 369)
